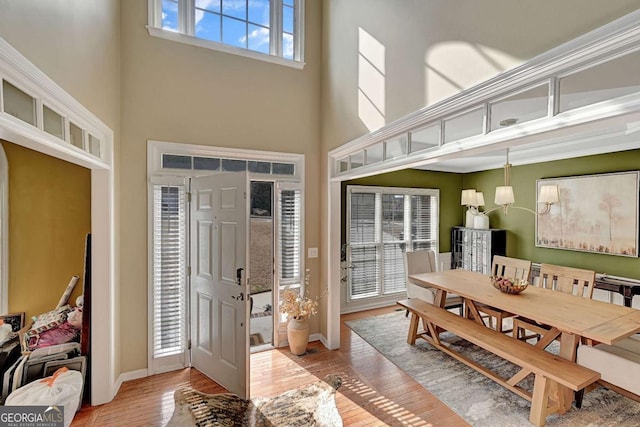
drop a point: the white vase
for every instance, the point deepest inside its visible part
(298, 335)
(481, 221)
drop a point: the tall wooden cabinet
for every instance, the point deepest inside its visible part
(473, 249)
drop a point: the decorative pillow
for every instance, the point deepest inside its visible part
(51, 319)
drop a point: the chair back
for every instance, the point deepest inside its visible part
(423, 261)
(569, 280)
(511, 267)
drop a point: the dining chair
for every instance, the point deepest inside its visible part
(424, 261)
(573, 281)
(505, 267)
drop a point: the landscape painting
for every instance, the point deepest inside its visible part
(596, 213)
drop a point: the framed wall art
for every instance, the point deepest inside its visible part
(596, 213)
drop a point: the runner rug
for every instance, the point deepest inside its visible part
(474, 397)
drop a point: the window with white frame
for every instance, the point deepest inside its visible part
(267, 27)
(169, 273)
(382, 223)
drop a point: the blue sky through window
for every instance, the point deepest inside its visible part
(170, 15)
(241, 23)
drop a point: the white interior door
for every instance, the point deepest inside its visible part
(219, 300)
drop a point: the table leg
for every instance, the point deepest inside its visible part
(568, 348)
(440, 299)
(413, 329)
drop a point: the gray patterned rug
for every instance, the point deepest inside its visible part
(470, 394)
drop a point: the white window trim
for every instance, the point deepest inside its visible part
(349, 305)
(155, 29)
(4, 231)
(158, 365)
(156, 174)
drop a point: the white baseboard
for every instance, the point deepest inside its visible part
(128, 376)
(321, 338)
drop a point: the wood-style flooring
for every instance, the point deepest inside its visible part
(374, 391)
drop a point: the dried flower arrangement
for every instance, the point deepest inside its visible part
(297, 306)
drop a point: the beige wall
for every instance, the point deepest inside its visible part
(383, 59)
(77, 44)
(49, 217)
(180, 93)
(425, 51)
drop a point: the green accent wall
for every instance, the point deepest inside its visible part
(520, 225)
(449, 184)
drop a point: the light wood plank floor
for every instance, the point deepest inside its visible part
(374, 391)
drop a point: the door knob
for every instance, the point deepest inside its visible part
(239, 297)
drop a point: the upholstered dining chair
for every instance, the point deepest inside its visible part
(505, 267)
(424, 261)
(574, 281)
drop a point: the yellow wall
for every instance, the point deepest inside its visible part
(49, 217)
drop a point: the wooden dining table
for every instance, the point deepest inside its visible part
(569, 317)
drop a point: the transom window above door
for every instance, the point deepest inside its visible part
(270, 30)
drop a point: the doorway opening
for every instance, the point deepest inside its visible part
(261, 265)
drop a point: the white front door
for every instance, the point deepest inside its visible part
(219, 300)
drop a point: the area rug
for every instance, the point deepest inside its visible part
(474, 397)
(313, 405)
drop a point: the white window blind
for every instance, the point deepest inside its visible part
(382, 224)
(363, 240)
(168, 270)
(290, 236)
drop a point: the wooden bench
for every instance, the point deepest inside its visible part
(550, 370)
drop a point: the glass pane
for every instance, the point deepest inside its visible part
(357, 160)
(423, 217)
(362, 221)
(393, 217)
(260, 167)
(259, 12)
(53, 122)
(94, 145)
(463, 126)
(520, 108)
(606, 81)
(171, 161)
(425, 138)
(208, 26)
(19, 104)
(230, 165)
(290, 234)
(234, 32)
(235, 8)
(206, 164)
(396, 148)
(261, 198)
(259, 38)
(375, 153)
(210, 5)
(343, 165)
(170, 15)
(394, 275)
(287, 19)
(287, 46)
(75, 134)
(288, 2)
(365, 272)
(283, 168)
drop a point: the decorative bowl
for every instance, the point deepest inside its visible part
(509, 285)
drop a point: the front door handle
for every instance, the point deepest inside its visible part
(239, 297)
(239, 276)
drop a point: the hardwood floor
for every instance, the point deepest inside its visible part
(374, 391)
